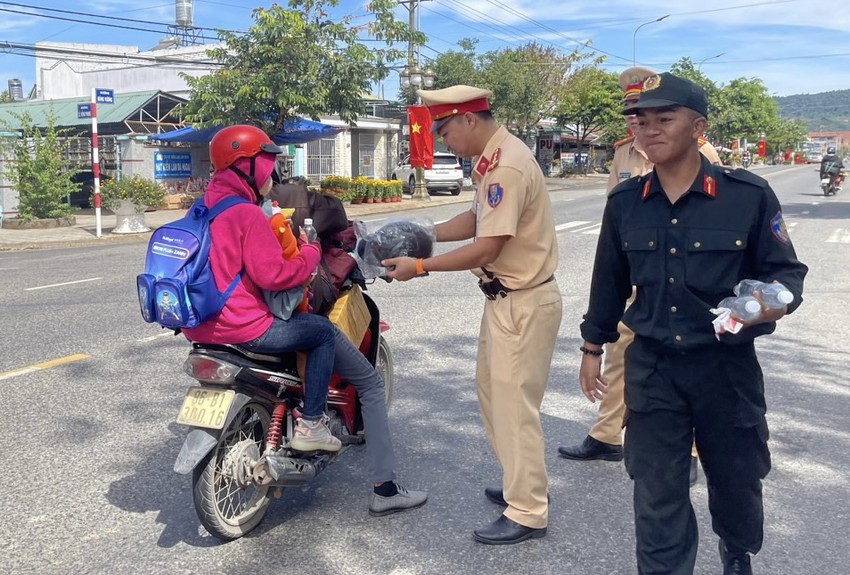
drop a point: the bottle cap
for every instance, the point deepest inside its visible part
(752, 305)
(308, 221)
(785, 297)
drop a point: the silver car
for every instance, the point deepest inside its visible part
(445, 174)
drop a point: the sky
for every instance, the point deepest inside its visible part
(793, 46)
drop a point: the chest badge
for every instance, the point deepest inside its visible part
(494, 195)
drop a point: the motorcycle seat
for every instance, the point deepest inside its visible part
(284, 362)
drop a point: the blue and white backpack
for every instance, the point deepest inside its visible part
(177, 289)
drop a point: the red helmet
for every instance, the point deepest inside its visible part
(239, 141)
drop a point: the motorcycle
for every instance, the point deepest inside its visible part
(745, 162)
(830, 182)
(241, 417)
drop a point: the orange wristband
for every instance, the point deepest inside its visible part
(420, 269)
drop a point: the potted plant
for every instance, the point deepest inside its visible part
(128, 198)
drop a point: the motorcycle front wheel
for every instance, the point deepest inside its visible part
(227, 501)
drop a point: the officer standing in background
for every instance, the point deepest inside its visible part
(684, 235)
(514, 254)
(604, 440)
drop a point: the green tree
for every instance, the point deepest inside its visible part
(296, 62)
(457, 67)
(526, 83)
(5, 98)
(591, 103)
(747, 111)
(785, 135)
(39, 173)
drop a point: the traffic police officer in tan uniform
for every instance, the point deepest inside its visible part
(604, 440)
(514, 255)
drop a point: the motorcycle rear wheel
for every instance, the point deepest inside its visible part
(228, 503)
(384, 366)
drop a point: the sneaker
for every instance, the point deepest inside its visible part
(314, 436)
(401, 501)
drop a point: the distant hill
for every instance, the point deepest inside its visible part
(823, 112)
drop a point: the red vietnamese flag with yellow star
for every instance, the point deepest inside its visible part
(421, 139)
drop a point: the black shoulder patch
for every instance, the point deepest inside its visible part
(633, 183)
(742, 175)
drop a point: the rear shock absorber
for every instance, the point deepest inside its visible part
(275, 426)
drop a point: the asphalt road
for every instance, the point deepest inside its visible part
(88, 445)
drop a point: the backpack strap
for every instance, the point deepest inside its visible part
(211, 213)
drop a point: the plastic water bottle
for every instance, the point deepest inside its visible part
(774, 295)
(746, 308)
(309, 230)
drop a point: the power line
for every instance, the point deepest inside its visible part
(133, 20)
(95, 56)
(117, 26)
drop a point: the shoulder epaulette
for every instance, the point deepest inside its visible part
(745, 176)
(634, 183)
(623, 142)
(702, 141)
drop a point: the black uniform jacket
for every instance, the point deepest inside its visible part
(686, 257)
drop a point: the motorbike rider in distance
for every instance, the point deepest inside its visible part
(831, 166)
(244, 158)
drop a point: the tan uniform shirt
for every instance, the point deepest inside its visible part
(630, 160)
(512, 200)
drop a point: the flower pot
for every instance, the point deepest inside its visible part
(129, 218)
(356, 200)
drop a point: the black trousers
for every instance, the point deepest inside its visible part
(715, 396)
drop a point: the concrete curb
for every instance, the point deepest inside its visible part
(83, 233)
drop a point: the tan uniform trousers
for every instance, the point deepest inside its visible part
(515, 347)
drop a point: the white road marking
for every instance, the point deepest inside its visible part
(568, 225)
(593, 231)
(62, 284)
(157, 336)
(839, 236)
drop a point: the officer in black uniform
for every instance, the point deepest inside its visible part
(685, 234)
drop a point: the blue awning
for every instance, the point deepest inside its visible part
(297, 131)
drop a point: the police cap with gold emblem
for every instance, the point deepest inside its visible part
(632, 79)
(448, 102)
(664, 90)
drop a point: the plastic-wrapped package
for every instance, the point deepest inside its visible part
(392, 238)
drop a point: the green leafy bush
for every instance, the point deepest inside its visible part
(39, 173)
(140, 191)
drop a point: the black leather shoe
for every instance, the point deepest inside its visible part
(737, 564)
(694, 473)
(592, 449)
(497, 496)
(503, 531)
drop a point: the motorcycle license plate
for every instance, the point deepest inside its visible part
(825, 181)
(205, 407)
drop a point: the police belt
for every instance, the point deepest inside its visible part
(494, 288)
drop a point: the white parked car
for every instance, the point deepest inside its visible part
(446, 174)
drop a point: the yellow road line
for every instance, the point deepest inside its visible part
(44, 365)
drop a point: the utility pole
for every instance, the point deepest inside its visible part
(414, 77)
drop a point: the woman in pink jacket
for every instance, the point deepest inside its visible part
(244, 158)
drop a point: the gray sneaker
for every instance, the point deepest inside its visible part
(314, 436)
(401, 501)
